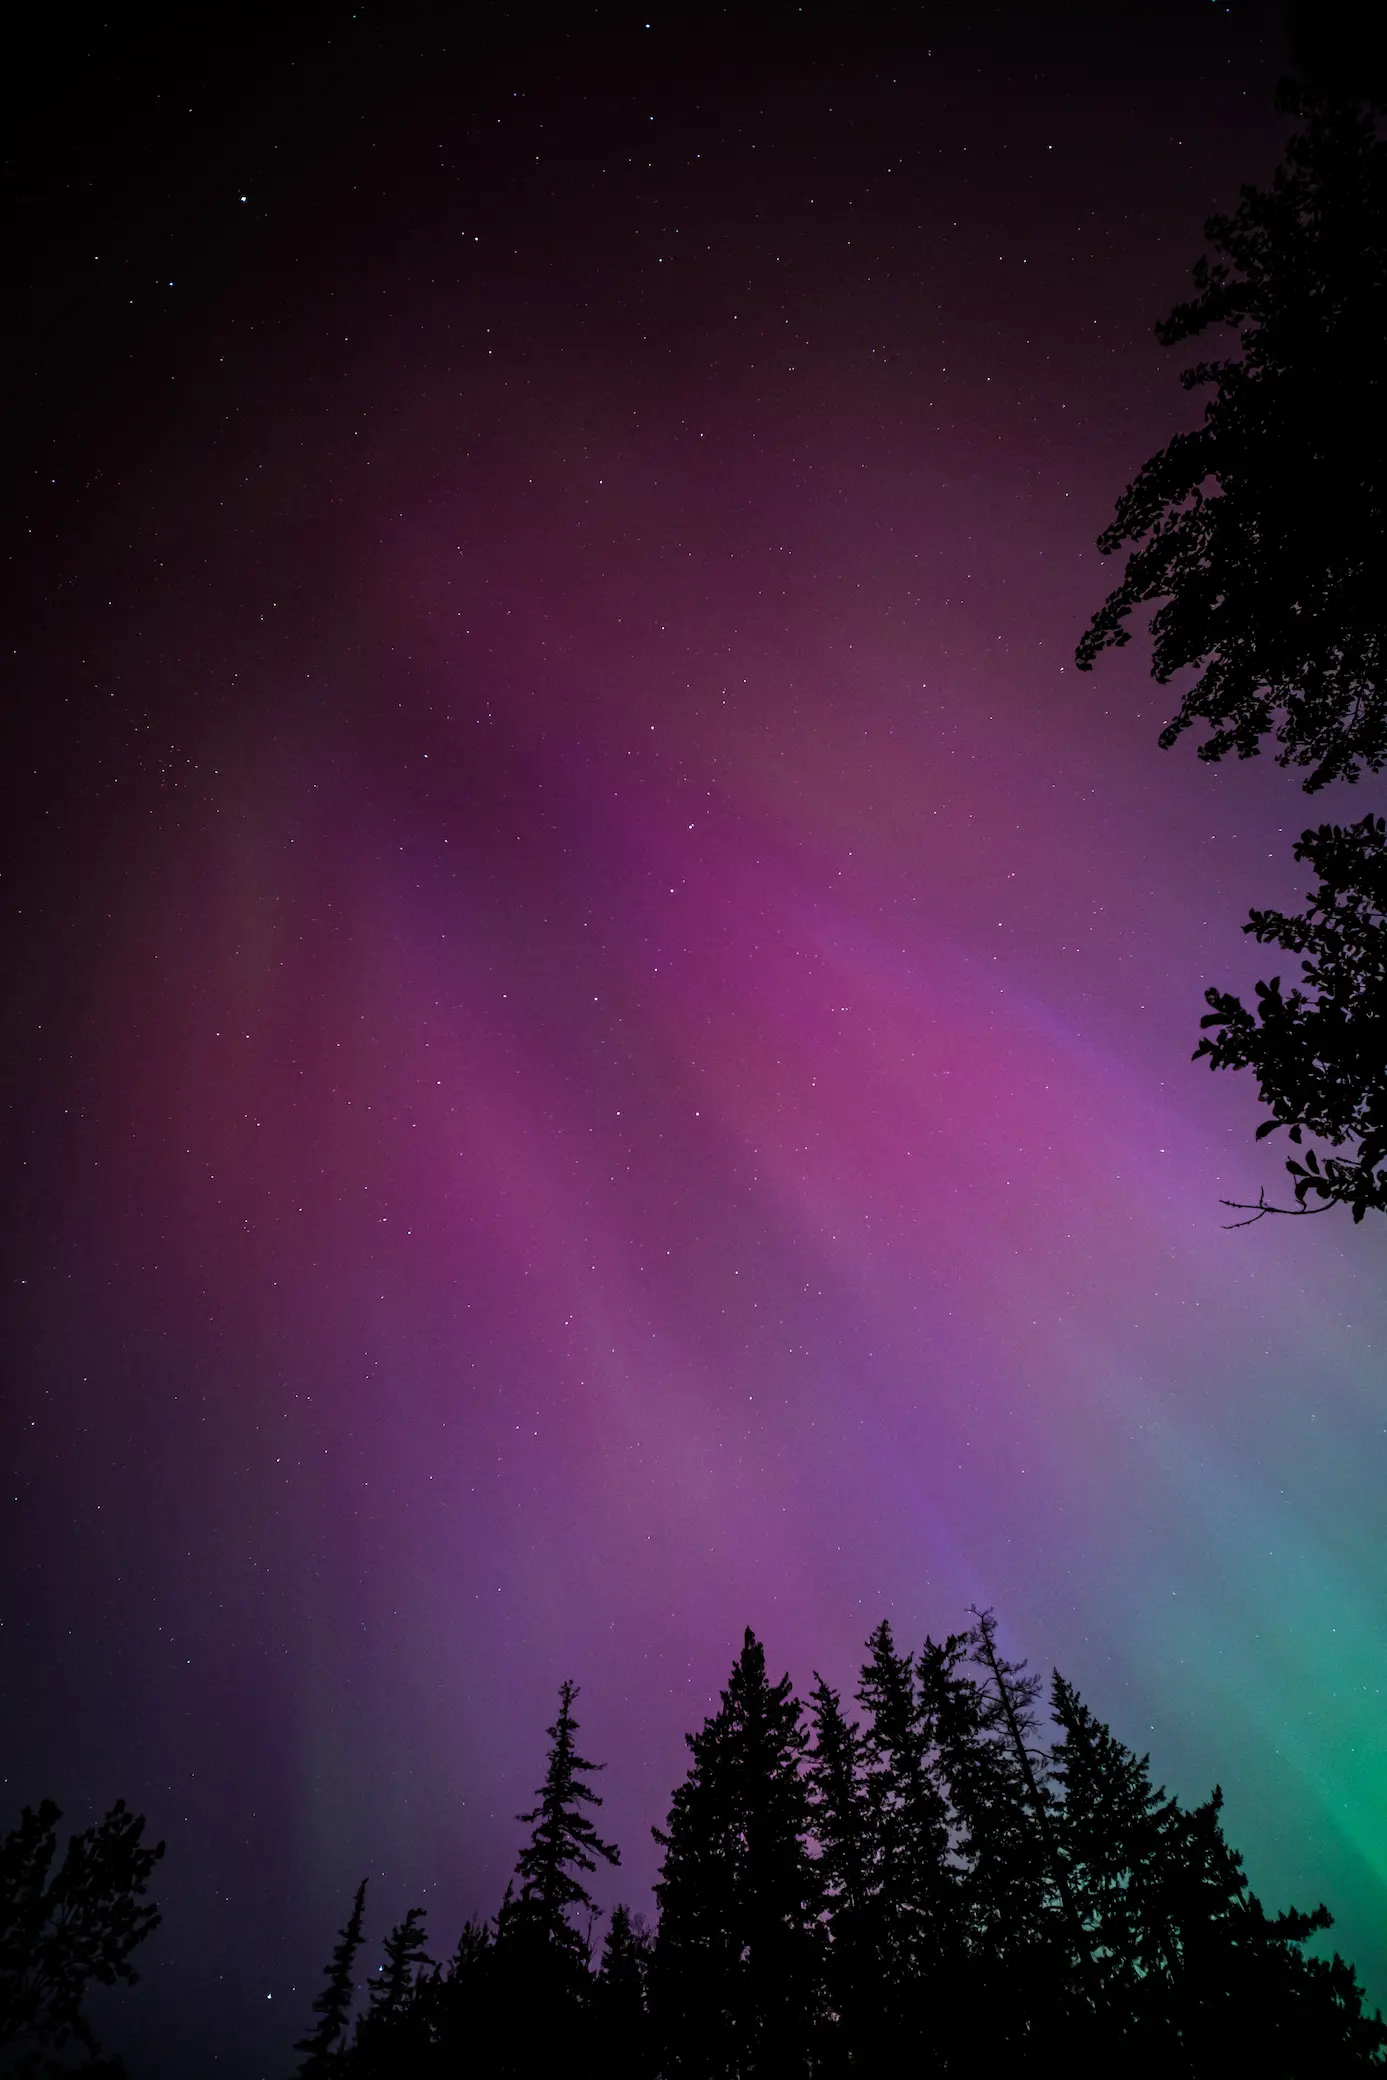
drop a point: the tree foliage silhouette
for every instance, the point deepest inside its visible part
(564, 1839)
(736, 1970)
(942, 1886)
(395, 2021)
(621, 2018)
(325, 2044)
(540, 1977)
(1260, 536)
(1027, 1957)
(61, 1931)
(904, 1985)
(1259, 539)
(1320, 1053)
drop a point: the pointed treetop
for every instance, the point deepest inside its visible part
(564, 1840)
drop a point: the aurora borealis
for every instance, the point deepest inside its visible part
(599, 1020)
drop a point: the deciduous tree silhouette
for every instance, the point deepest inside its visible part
(1259, 539)
(61, 1931)
(1320, 1054)
(1261, 536)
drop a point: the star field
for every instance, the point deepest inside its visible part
(601, 1021)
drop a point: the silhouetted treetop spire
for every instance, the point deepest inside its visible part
(564, 1840)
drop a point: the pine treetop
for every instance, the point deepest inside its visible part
(564, 1840)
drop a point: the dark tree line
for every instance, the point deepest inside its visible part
(936, 1882)
(1258, 540)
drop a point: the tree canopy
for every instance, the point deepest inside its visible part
(565, 1840)
(1259, 537)
(1320, 1053)
(943, 1885)
(63, 1930)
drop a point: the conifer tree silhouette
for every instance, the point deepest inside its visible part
(1012, 1693)
(406, 1949)
(1243, 1992)
(564, 1840)
(324, 2045)
(622, 2032)
(737, 1971)
(466, 2012)
(540, 1977)
(842, 1826)
(913, 1909)
(1196, 1977)
(1020, 1966)
(396, 2027)
(1117, 1834)
(942, 1889)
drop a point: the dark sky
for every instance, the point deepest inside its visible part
(597, 1021)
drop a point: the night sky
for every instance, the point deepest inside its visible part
(597, 1020)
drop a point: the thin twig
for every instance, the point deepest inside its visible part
(1261, 1207)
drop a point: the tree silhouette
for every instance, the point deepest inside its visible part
(324, 2047)
(1260, 537)
(564, 1839)
(1259, 540)
(621, 2021)
(1024, 1962)
(466, 2016)
(397, 2022)
(912, 1911)
(737, 1964)
(1195, 1975)
(841, 1822)
(945, 1887)
(1320, 1054)
(539, 1981)
(61, 1931)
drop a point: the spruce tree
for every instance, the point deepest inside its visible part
(467, 2019)
(393, 2034)
(838, 1796)
(406, 1949)
(1021, 1968)
(1194, 1976)
(539, 1983)
(1116, 1833)
(842, 1824)
(912, 1912)
(323, 2047)
(1244, 1995)
(564, 1840)
(737, 1972)
(621, 2031)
